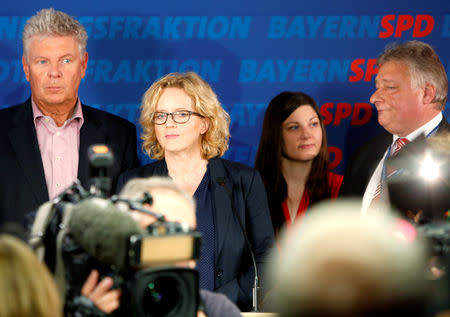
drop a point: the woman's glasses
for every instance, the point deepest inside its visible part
(182, 116)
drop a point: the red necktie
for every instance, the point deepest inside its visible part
(398, 145)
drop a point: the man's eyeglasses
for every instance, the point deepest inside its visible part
(182, 116)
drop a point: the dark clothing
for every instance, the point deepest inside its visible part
(205, 224)
(218, 305)
(22, 180)
(234, 273)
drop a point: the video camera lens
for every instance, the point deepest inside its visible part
(165, 292)
(159, 295)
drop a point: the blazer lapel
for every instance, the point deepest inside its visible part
(22, 135)
(222, 201)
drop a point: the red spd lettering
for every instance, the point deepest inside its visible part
(325, 111)
(429, 25)
(335, 154)
(361, 70)
(359, 114)
(421, 25)
(362, 113)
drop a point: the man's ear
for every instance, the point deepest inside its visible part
(84, 61)
(429, 92)
(26, 68)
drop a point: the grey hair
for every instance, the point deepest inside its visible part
(136, 187)
(54, 23)
(424, 66)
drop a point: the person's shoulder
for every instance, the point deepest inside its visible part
(218, 305)
(139, 172)
(11, 109)
(378, 142)
(234, 167)
(444, 126)
(104, 116)
(6, 114)
(142, 171)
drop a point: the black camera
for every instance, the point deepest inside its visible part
(82, 230)
(140, 261)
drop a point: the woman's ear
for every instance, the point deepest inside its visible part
(205, 125)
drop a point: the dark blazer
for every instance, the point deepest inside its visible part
(365, 160)
(234, 273)
(22, 180)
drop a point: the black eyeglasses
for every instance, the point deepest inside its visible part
(182, 116)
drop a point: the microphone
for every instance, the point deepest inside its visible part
(101, 160)
(103, 231)
(256, 287)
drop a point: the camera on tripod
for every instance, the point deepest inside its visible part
(83, 230)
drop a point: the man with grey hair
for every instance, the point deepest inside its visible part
(176, 206)
(342, 264)
(44, 141)
(410, 96)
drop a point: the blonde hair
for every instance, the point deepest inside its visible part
(205, 102)
(27, 288)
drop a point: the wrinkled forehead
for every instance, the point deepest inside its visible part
(393, 70)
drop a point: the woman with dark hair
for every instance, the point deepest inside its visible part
(293, 158)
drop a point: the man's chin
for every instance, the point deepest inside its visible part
(383, 120)
(55, 101)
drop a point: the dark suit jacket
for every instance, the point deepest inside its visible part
(365, 160)
(234, 273)
(22, 180)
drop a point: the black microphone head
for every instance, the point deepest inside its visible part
(103, 230)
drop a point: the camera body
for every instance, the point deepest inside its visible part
(83, 230)
(142, 262)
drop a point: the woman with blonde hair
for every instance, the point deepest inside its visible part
(186, 130)
(27, 288)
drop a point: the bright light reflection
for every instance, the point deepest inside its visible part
(429, 169)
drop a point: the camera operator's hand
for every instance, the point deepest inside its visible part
(100, 293)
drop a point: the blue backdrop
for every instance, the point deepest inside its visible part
(249, 51)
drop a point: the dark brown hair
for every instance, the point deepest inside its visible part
(268, 156)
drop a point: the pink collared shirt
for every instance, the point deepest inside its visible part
(59, 147)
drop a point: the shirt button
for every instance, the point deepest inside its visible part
(58, 185)
(219, 273)
(57, 133)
